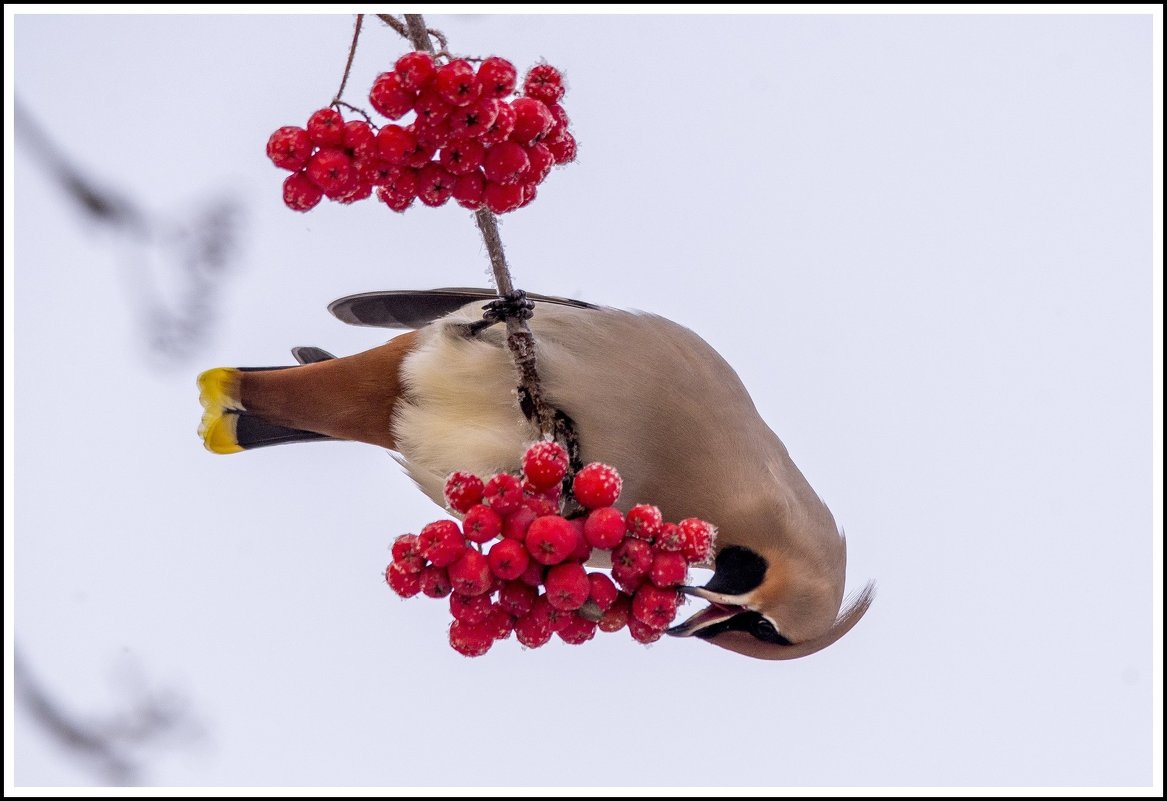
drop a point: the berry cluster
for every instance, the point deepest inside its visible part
(532, 581)
(467, 140)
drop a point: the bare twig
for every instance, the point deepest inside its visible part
(348, 65)
(395, 24)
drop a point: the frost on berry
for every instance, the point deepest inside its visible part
(396, 144)
(441, 542)
(517, 598)
(567, 586)
(360, 142)
(471, 575)
(463, 490)
(415, 70)
(697, 538)
(435, 582)
(472, 609)
(398, 203)
(289, 147)
(644, 522)
(500, 623)
(668, 569)
(562, 148)
(642, 632)
(597, 485)
(432, 109)
(533, 120)
(326, 127)
(457, 83)
(602, 591)
(501, 198)
(435, 185)
(499, 130)
(462, 156)
(545, 464)
(670, 538)
(548, 502)
(508, 559)
(545, 83)
(604, 528)
(331, 169)
(533, 630)
(407, 553)
(550, 539)
(506, 163)
(472, 121)
(470, 189)
(616, 616)
(654, 606)
(430, 137)
(497, 76)
(576, 630)
(482, 524)
(300, 193)
(403, 582)
(390, 97)
(503, 493)
(470, 640)
(541, 161)
(631, 562)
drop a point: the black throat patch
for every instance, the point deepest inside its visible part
(736, 571)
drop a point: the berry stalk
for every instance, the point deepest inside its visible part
(520, 340)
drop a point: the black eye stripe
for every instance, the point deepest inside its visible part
(751, 623)
(737, 570)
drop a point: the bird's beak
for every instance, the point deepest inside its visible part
(722, 607)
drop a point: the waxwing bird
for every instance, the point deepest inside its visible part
(645, 394)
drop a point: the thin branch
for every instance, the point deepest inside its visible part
(395, 24)
(348, 65)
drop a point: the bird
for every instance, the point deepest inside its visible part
(645, 394)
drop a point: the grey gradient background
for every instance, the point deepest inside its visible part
(923, 242)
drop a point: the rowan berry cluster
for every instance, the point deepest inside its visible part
(533, 580)
(470, 139)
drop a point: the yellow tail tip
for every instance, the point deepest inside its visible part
(219, 395)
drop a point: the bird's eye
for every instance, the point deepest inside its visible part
(764, 630)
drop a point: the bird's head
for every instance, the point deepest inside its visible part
(771, 604)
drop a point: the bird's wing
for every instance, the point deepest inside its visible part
(416, 308)
(306, 354)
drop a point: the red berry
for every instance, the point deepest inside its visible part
(550, 539)
(359, 140)
(462, 156)
(503, 493)
(482, 524)
(497, 76)
(398, 203)
(331, 169)
(545, 83)
(289, 147)
(326, 127)
(358, 191)
(376, 171)
(404, 582)
(697, 539)
(644, 522)
(435, 185)
(403, 181)
(597, 485)
(470, 189)
(533, 120)
(670, 538)
(421, 156)
(500, 623)
(563, 148)
(502, 127)
(567, 586)
(470, 640)
(405, 547)
(441, 543)
(472, 121)
(472, 609)
(415, 70)
(577, 630)
(390, 97)
(543, 503)
(541, 161)
(431, 137)
(515, 525)
(517, 598)
(631, 562)
(654, 606)
(463, 491)
(603, 591)
(435, 582)
(500, 199)
(506, 163)
(457, 84)
(668, 569)
(396, 144)
(616, 616)
(471, 575)
(545, 464)
(583, 549)
(559, 115)
(533, 575)
(508, 559)
(432, 109)
(533, 630)
(604, 528)
(642, 632)
(300, 194)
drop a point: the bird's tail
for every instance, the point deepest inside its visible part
(349, 398)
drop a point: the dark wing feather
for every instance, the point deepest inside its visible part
(306, 354)
(416, 308)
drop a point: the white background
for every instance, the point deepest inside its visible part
(924, 243)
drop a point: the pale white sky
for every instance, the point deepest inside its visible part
(923, 242)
